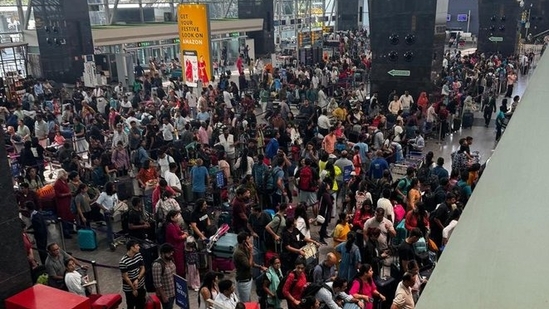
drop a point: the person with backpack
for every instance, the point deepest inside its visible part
(325, 271)
(329, 293)
(307, 183)
(404, 184)
(364, 288)
(294, 284)
(163, 271)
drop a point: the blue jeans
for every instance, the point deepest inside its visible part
(110, 233)
(168, 304)
(243, 290)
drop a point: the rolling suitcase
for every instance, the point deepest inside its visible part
(467, 120)
(457, 124)
(87, 239)
(108, 301)
(187, 189)
(222, 264)
(125, 189)
(153, 302)
(149, 252)
(224, 247)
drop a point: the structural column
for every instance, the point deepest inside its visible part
(14, 266)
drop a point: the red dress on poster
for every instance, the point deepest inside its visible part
(202, 73)
(188, 71)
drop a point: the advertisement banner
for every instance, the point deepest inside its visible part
(195, 43)
(181, 292)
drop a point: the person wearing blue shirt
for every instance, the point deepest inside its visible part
(203, 116)
(500, 122)
(272, 147)
(439, 170)
(465, 188)
(200, 179)
(377, 166)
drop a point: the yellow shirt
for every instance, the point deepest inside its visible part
(340, 233)
(340, 114)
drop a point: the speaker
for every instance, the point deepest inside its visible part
(401, 37)
(347, 15)
(498, 26)
(264, 40)
(64, 35)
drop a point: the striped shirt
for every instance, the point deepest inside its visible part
(132, 266)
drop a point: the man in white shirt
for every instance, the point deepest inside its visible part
(119, 90)
(226, 299)
(163, 162)
(406, 100)
(192, 101)
(41, 130)
(171, 178)
(227, 141)
(97, 92)
(120, 136)
(385, 203)
(227, 99)
(404, 298)
(395, 106)
(361, 94)
(430, 118)
(179, 122)
(384, 225)
(323, 123)
(167, 130)
(322, 98)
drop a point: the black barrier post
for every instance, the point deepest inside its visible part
(61, 230)
(95, 277)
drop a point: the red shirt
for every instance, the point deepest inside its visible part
(295, 289)
(239, 208)
(368, 289)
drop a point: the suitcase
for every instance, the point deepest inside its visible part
(87, 239)
(457, 124)
(108, 301)
(153, 302)
(149, 252)
(224, 247)
(125, 189)
(467, 120)
(222, 264)
(187, 189)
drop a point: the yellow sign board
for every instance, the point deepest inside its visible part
(195, 43)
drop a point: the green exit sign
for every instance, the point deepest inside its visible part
(235, 34)
(176, 40)
(143, 44)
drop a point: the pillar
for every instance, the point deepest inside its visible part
(13, 262)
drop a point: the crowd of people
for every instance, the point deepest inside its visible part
(191, 150)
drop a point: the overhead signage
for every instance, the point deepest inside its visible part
(404, 73)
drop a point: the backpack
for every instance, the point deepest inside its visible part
(306, 181)
(424, 174)
(269, 181)
(313, 288)
(310, 274)
(279, 293)
(162, 264)
(259, 285)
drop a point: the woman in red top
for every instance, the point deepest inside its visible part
(423, 102)
(418, 217)
(295, 284)
(63, 198)
(363, 287)
(176, 237)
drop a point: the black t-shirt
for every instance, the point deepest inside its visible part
(201, 220)
(136, 218)
(259, 223)
(442, 213)
(294, 239)
(406, 252)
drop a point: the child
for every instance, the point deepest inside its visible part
(191, 256)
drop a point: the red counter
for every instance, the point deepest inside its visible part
(42, 297)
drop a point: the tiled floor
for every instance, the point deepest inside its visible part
(109, 278)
